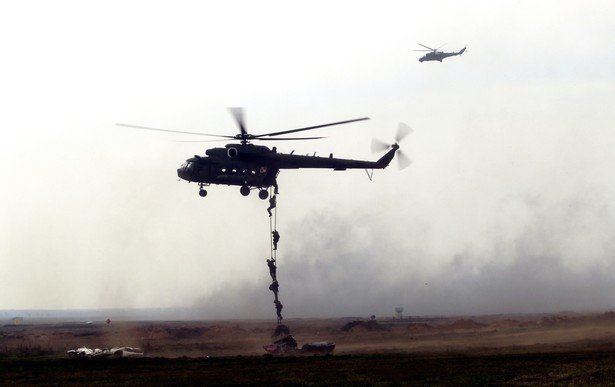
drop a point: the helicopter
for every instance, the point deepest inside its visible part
(434, 54)
(256, 167)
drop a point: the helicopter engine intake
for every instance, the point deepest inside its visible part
(232, 152)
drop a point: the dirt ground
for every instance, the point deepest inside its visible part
(171, 339)
(574, 342)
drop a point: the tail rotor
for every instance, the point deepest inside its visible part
(403, 131)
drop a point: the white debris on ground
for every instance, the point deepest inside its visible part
(84, 352)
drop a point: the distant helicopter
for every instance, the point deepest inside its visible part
(256, 167)
(434, 54)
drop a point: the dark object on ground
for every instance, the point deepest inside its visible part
(286, 344)
(318, 347)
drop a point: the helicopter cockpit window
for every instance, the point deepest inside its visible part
(188, 165)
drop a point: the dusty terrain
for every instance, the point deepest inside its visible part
(522, 349)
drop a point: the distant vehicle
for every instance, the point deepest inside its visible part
(434, 54)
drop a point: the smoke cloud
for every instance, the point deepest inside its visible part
(557, 258)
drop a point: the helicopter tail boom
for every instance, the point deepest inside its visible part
(385, 160)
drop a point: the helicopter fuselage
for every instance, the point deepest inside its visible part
(233, 165)
(257, 166)
(439, 55)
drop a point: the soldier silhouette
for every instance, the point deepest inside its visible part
(274, 287)
(276, 238)
(271, 264)
(272, 203)
(275, 187)
(278, 308)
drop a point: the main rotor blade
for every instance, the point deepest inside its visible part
(289, 138)
(238, 114)
(172, 131)
(432, 49)
(218, 140)
(309, 128)
(402, 132)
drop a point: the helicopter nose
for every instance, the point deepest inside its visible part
(182, 172)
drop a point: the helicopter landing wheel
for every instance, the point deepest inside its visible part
(245, 190)
(263, 194)
(202, 193)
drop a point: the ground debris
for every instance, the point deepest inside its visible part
(288, 345)
(284, 345)
(115, 352)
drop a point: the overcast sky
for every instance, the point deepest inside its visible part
(507, 207)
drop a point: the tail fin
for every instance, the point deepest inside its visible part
(463, 50)
(385, 160)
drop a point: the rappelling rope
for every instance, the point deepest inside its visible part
(270, 236)
(273, 220)
(273, 225)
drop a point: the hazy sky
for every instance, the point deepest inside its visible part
(507, 207)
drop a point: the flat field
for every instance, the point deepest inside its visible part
(562, 349)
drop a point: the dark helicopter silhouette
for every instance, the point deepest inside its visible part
(434, 54)
(257, 167)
